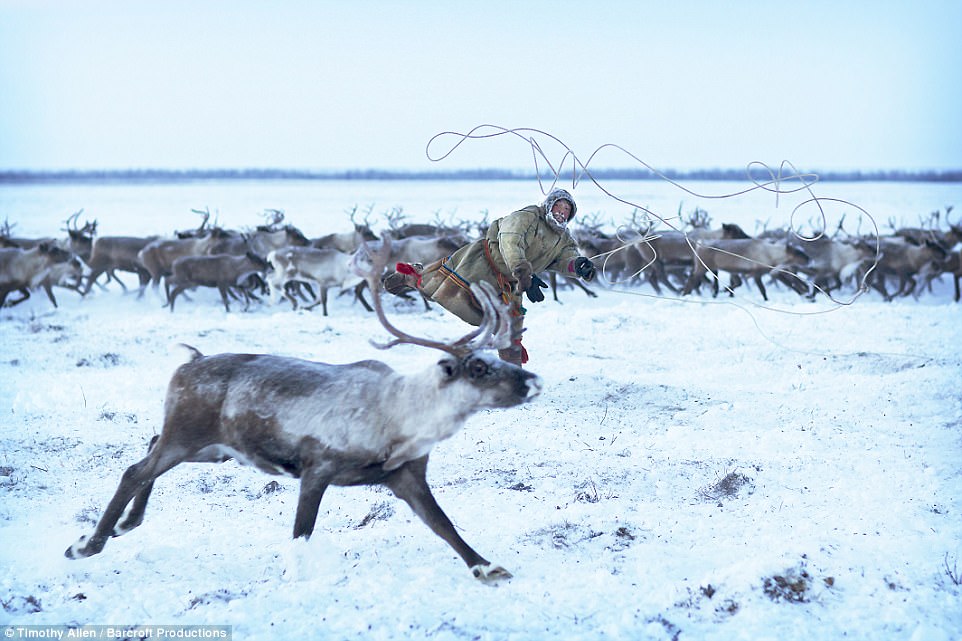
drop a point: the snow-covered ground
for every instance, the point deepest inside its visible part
(693, 469)
(700, 469)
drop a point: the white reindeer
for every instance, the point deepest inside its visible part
(320, 269)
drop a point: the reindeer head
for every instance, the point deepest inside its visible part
(56, 253)
(88, 231)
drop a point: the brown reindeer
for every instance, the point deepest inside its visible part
(744, 257)
(355, 424)
(23, 269)
(226, 272)
(110, 254)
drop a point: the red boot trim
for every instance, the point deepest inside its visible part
(408, 269)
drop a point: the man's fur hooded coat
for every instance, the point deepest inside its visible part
(525, 235)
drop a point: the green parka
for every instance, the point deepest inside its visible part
(524, 235)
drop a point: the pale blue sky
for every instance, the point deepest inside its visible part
(365, 84)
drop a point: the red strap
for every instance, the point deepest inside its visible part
(408, 269)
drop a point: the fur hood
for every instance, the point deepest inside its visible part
(554, 196)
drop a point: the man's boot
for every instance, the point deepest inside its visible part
(406, 278)
(516, 354)
(511, 355)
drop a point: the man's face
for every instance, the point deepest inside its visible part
(561, 211)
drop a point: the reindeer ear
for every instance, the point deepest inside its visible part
(450, 368)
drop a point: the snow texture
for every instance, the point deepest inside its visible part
(701, 469)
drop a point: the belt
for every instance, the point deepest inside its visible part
(506, 289)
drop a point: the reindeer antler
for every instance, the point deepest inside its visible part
(948, 221)
(394, 217)
(274, 217)
(697, 219)
(71, 223)
(205, 214)
(495, 328)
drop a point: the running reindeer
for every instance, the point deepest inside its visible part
(355, 424)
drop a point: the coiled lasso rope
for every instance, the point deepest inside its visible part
(779, 182)
(580, 170)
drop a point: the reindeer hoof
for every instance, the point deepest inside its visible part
(82, 548)
(77, 550)
(123, 528)
(490, 573)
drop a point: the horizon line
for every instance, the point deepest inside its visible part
(8, 176)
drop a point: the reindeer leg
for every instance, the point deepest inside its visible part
(909, 285)
(86, 285)
(320, 299)
(652, 279)
(48, 288)
(409, 483)
(135, 515)
(761, 287)
(734, 282)
(424, 299)
(173, 296)
(656, 273)
(223, 296)
(110, 276)
(583, 288)
(91, 279)
(248, 297)
(137, 480)
(314, 481)
(143, 277)
(22, 290)
(694, 279)
(359, 295)
(307, 287)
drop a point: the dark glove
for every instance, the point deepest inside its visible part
(535, 295)
(584, 268)
(522, 274)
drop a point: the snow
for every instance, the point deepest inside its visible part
(698, 468)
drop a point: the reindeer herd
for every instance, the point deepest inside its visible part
(902, 263)
(278, 261)
(274, 259)
(286, 415)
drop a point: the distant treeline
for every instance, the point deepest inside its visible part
(186, 175)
